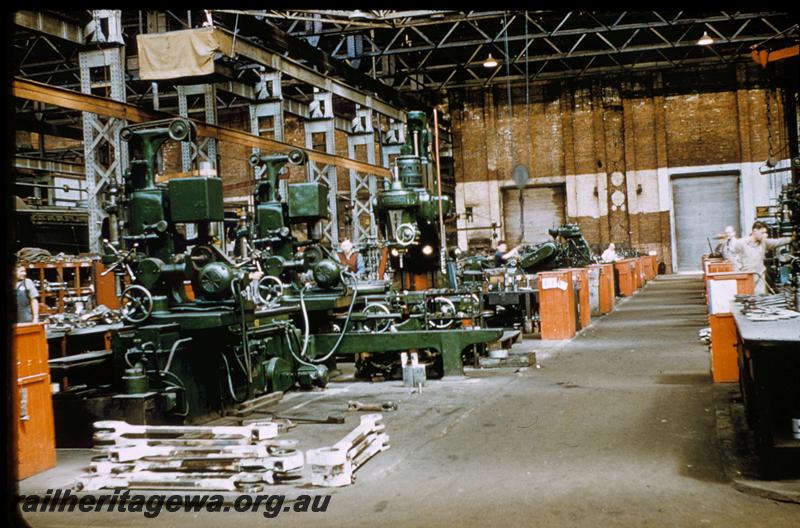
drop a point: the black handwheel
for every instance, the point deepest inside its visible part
(137, 304)
(269, 289)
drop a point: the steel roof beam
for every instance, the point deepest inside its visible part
(50, 25)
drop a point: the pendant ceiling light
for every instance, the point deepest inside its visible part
(705, 40)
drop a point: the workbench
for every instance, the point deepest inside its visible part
(520, 305)
(768, 354)
(68, 342)
(76, 340)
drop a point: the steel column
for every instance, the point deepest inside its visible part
(321, 121)
(205, 149)
(393, 141)
(270, 104)
(362, 186)
(106, 157)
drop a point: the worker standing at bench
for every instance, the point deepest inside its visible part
(26, 297)
(748, 253)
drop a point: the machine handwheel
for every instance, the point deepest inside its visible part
(446, 308)
(137, 304)
(405, 234)
(268, 289)
(378, 325)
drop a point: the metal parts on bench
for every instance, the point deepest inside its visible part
(766, 307)
(334, 466)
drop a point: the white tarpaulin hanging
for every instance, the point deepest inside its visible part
(176, 54)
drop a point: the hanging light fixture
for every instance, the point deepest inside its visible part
(705, 40)
(489, 62)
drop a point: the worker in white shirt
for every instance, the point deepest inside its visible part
(748, 253)
(351, 258)
(610, 254)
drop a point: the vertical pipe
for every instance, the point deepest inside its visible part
(443, 242)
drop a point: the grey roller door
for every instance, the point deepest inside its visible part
(544, 208)
(703, 206)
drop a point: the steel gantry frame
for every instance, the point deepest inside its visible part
(184, 96)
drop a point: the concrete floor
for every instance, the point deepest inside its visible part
(615, 429)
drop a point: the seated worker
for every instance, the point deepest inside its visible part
(610, 254)
(26, 297)
(748, 253)
(351, 258)
(502, 254)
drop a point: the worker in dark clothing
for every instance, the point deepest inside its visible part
(725, 248)
(502, 254)
(26, 297)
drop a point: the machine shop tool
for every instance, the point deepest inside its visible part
(355, 405)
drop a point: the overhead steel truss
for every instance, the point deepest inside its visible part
(428, 50)
(438, 50)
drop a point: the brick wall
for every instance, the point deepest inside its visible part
(609, 140)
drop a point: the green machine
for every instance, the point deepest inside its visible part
(407, 213)
(568, 249)
(294, 273)
(303, 274)
(181, 357)
(277, 253)
(439, 323)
